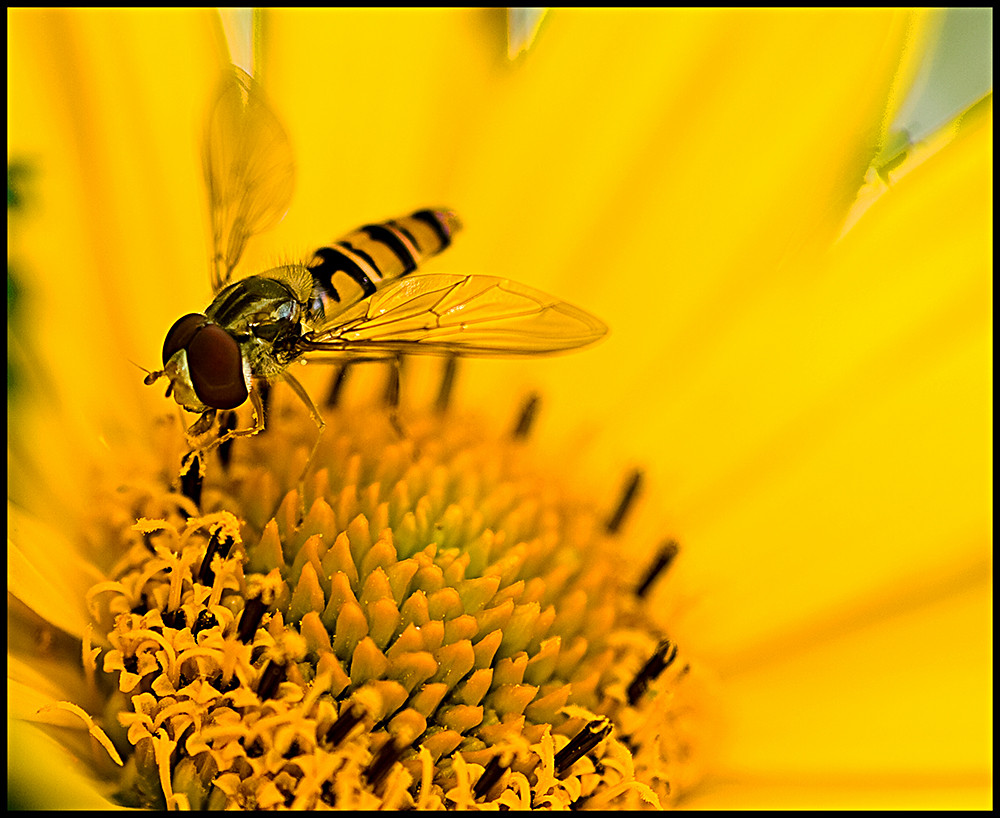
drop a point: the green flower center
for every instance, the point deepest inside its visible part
(443, 627)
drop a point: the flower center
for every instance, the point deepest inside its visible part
(442, 626)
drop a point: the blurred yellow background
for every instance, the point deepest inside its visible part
(813, 412)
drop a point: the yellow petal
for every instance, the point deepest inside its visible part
(853, 409)
(31, 785)
(661, 167)
(891, 711)
(46, 573)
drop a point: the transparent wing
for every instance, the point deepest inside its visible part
(443, 314)
(248, 169)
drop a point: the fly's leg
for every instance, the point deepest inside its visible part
(299, 390)
(204, 424)
(192, 464)
(391, 397)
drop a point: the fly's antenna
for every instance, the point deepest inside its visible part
(151, 377)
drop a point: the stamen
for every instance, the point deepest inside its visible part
(191, 478)
(226, 424)
(273, 675)
(217, 544)
(581, 744)
(447, 384)
(662, 562)
(661, 659)
(629, 493)
(491, 774)
(383, 761)
(253, 612)
(337, 386)
(527, 417)
(345, 722)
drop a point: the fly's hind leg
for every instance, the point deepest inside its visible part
(299, 390)
(391, 396)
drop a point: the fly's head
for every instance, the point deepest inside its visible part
(204, 364)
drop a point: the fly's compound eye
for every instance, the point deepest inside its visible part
(214, 360)
(181, 333)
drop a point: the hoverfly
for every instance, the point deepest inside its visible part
(358, 299)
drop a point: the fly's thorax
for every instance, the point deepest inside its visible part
(256, 301)
(264, 313)
(269, 359)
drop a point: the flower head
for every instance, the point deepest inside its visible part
(442, 627)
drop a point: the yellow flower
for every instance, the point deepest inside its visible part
(812, 410)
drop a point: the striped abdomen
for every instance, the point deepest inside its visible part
(354, 267)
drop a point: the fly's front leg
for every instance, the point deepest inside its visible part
(192, 464)
(204, 424)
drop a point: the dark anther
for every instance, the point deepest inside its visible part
(333, 397)
(527, 417)
(380, 765)
(491, 774)
(227, 422)
(175, 619)
(351, 715)
(182, 740)
(582, 743)
(253, 612)
(217, 682)
(147, 540)
(661, 659)
(662, 562)
(206, 619)
(191, 478)
(447, 384)
(391, 396)
(632, 486)
(217, 544)
(273, 675)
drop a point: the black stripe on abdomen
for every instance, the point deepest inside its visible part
(430, 218)
(387, 236)
(382, 252)
(333, 260)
